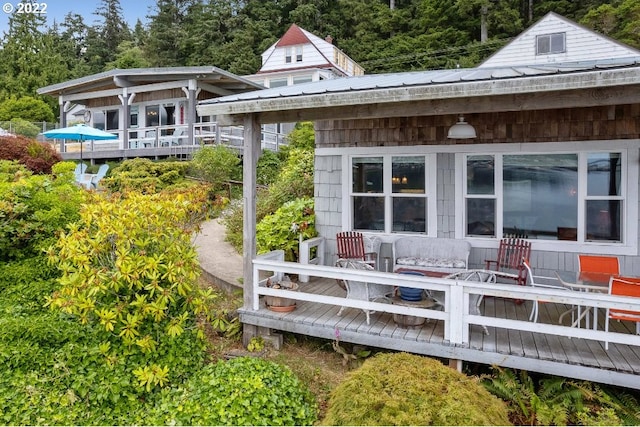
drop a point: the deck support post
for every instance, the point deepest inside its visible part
(455, 364)
(251, 331)
(251, 152)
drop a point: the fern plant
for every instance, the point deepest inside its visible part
(553, 400)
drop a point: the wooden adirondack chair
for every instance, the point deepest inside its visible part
(351, 246)
(510, 255)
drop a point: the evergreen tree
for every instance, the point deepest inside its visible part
(104, 38)
(29, 58)
(167, 33)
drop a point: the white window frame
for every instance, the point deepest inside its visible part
(550, 37)
(387, 154)
(629, 194)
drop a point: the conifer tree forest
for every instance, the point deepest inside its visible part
(381, 35)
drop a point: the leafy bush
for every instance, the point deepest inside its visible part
(284, 229)
(217, 165)
(294, 181)
(242, 391)
(33, 208)
(268, 167)
(54, 371)
(145, 176)
(26, 108)
(37, 156)
(21, 127)
(129, 268)
(302, 137)
(404, 389)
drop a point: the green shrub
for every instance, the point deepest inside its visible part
(239, 392)
(128, 268)
(54, 371)
(404, 389)
(268, 167)
(295, 181)
(22, 127)
(217, 165)
(26, 108)
(146, 176)
(38, 157)
(295, 220)
(33, 208)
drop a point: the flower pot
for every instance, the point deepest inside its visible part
(281, 304)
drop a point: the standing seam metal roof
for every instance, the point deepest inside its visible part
(422, 78)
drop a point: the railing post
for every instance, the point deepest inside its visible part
(305, 254)
(456, 313)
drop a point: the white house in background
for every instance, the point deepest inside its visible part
(554, 40)
(301, 57)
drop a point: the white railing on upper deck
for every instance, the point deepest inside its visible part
(455, 313)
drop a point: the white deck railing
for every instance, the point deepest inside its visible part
(455, 313)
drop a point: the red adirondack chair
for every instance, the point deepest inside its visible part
(510, 255)
(351, 246)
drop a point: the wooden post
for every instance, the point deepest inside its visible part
(250, 158)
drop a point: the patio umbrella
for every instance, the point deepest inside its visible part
(79, 133)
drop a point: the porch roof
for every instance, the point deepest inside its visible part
(307, 101)
(136, 77)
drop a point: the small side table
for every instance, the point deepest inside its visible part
(409, 321)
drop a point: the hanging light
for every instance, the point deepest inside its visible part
(462, 130)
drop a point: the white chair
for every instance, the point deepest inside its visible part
(102, 172)
(81, 168)
(362, 290)
(531, 281)
(175, 139)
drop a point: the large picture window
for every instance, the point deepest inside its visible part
(391, 193)
(572, 197)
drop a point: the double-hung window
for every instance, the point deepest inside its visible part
(392, 193)
(576, 197)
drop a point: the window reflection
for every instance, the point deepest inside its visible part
(480, 175)
(408, 175)
(368, 213)
(540, 196)
(603, 174)
(409, 214)
(481, 216)
(367, 175)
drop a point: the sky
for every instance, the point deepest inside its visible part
(57, 9)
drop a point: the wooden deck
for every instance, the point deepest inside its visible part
(533, 351)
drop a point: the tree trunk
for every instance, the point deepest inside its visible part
(484, 33)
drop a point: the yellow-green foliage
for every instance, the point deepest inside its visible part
(145, 176)
(404, 389)
(128, 265)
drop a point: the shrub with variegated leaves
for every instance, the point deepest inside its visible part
(128, 265)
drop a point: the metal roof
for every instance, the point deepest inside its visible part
(140, 76)
(437, 84)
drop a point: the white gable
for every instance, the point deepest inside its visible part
(316, 53)
(580, 44)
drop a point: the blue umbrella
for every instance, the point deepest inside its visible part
(80, 133)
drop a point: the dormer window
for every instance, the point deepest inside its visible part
(293, 53)
(550, 43)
